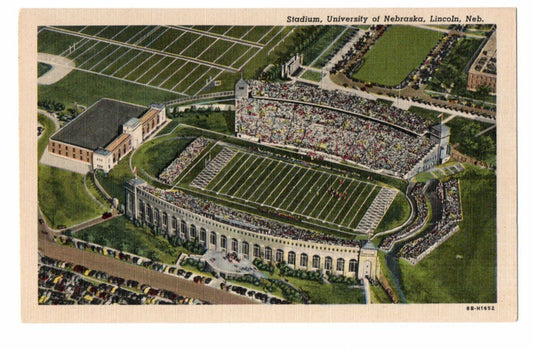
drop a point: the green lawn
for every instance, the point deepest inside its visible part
(155, 155)
(399, 51)
(86, 88)
(63, 199)
(113, 182)
(463, 269)
(329, 293)
(42, 68)
(62, 196)
(398, 213)
(312, 75)
(121, 234)
(463, 132)
(218, 121)
(49, 129)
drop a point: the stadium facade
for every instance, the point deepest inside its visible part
(106, 132)
(225, 236)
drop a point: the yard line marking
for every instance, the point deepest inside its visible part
(236, 171)
(140, 52)
(359, 196)
(295, 186)
(263, 181)
(152, 67)
(330, 197)
(282, 180)
(87, 49)
(347, 200)
(282, 190)
(171, 75)
(219, 36)
(137, 67)
(303, 186)
(371, 191)
(162, 70)
(130, 81)
(322, 186)
(190, 44)
(240, 156)
(185, 77)
(230, 191)
(115, 50)
(274, 181)
(251, 176)
(149, 50)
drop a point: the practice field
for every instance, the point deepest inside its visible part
(398, 52)
(317, 196)
(178, 59)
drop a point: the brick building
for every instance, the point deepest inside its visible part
(483, 71)
(105, 132)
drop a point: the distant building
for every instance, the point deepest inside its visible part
(440, 133)
(291, 66)
(241, 89)
(105, 133)
(483, 71)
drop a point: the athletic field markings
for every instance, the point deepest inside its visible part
(226, 169)
(347, 200)
(363, 204)
(255, 179)
(316, 194)
(236, 171)
(218, 36)
(257, 186)
(231, 191)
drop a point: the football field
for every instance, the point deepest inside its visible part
(181, 59)
(319, 196)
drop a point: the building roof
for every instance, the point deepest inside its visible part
(99, 125)
(369, 245)
(132, 123)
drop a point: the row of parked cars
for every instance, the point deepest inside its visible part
(65, 283)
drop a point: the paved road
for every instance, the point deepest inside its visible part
(144, 276)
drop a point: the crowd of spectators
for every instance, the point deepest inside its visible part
(367, 108)
(448, 194)
(371, 144)
(185, 158)
(419, 200)
(64, 283)
(244, 220)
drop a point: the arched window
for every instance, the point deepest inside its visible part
(141, 210)
(174, 225)
(352, 266)
(303, 260)
(184, 229)
(316, 261)
(257, 251)
(165, 219)
(156, 217)
(203, 236)
(340, 264)
(213, 238)
(245, 248)
(268, 253)
(292, 258)
(279, 255)
(327, 263)
(149, 214)
(223, 242)
(234, 245)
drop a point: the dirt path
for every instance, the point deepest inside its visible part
(132, 272)
(61, 66)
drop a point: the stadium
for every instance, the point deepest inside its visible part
(289, 171)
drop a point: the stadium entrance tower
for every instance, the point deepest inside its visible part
(441, 134)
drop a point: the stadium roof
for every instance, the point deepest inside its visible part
(99, 125)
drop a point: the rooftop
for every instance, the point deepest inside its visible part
(99, 125)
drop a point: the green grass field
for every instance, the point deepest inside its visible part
(294, 189)
(62, 196)
(399, 51)
(312, 75)
(397, 214)
(121, 234)
(463, 269)
(63, 199)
